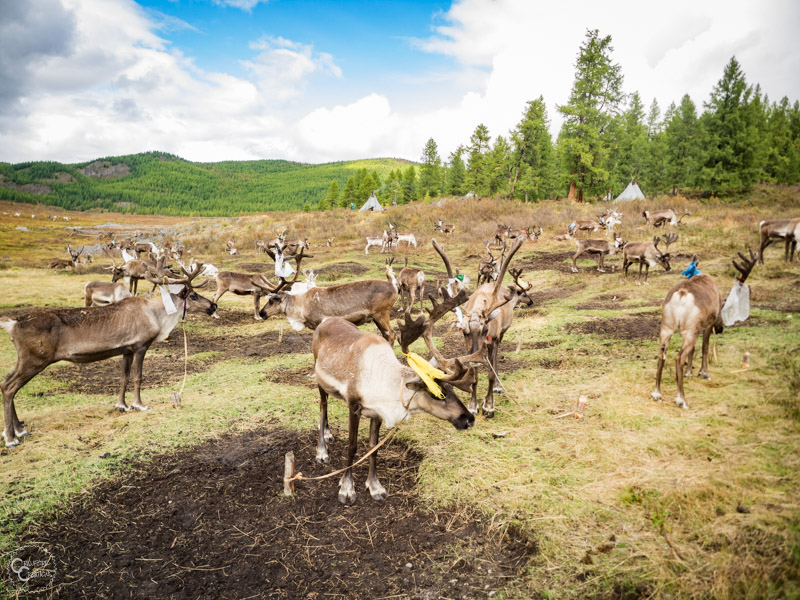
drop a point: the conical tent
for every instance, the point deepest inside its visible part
(371, 204)
(632, 192)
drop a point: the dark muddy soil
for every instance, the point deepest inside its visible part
(547, 261)
(603, 302)
(211, 522)
(288, 376)
(635, 327)
(340, 270)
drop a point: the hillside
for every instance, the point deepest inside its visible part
(160, 183)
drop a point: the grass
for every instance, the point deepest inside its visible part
(636, 499)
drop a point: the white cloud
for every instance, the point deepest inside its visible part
(89, 78)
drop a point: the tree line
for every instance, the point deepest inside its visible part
(608, 138)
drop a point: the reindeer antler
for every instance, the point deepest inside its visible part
(444, 258)
(656, 241)
(516, 274)
(669, 238)
(746, 265)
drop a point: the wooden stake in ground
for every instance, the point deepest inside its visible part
(280, 334)
(288, 474)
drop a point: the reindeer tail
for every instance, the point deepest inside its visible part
(8, 324)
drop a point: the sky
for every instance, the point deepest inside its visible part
(320, 81)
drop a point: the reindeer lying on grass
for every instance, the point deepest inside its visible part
(82, 335)
(691, 308)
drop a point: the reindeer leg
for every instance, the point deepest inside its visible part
(376, 490)
(689, 339)
(765, 241)
(256, 305)
(488, 402)
(138, 361)
(704, 364)
(646, 272)
(347, 489)
(574, 266)
(127, 359)
(662, 355)
(419, 294)
(13, 382)
(384, 325)
(325, 434)
(601, 263)
(687, 371)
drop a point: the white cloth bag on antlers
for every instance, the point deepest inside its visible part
(737, 306)
(282, 268)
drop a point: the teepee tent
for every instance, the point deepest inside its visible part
(632, 192)
(371, 204)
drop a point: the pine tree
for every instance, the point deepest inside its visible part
(499, 168)
(533, 176)
(332, 198)
(594, 100)
(430, 171)
(730, 165)
(456, 174)
(410, 185)
(682, 134)
(477, 176)
(628, 145)
(349, 193)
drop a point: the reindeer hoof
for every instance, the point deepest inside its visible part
(376, 490)
(329, 436)
(347, 499)
(258, 318)
(681, 402)
(489, 414)
(140, 407)
(122, 408)
(656, 396)
(323, 458)
(22, 434)
(497, 390)
(10, 444)
(704, 375)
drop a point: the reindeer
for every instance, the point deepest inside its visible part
(261, 247)
(384, 242)
(648, 255)
(445, 229)
(693, 307)
(134, 270)
(144, 248)
(659, 218)
(102, 293)
(501, 234)
(279, 241)
(587, 226)
(488, 268)
(327, 244)
(82, 335)
(599, 248)
(412, 283)
(487, 316)
(243, 284)
(408, 238)
(64, 263)
(362, 369)
(358, 302)
(786, 229)
(529, 233)
(292, 248)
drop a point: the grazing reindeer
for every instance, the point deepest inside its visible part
(408, 238)
(362, 369)
(445, 229)
(648, 255)
(487, 316)
(243, 284)
(103, 293)
(691, 308)
(64, 263)
(412, 283)
(786, 230)
(82, 335)
(659, 218)
(597, 247)
(587, 226)
(526, 234)
(358, 302)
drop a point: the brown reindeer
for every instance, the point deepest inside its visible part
(438, 225)
(786, 230)
(647, 255)
(487, 316)
(489, 268)
(64, 263)
(134, 270)
(691, 308)
(659, 218)
(412, 283)
(598, 248)
(244, 284)
(587, 226)
(82, 335)
(362, 369)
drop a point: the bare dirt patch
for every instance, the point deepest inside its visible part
(340, 270)
(635, 327)
(211, 522)
(299, 377)
(603, 302)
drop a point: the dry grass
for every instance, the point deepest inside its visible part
(638, 499)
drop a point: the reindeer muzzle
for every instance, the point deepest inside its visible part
(464, 421)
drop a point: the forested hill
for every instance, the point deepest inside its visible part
(160, 183)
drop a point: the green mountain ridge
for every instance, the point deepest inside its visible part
(165, 184)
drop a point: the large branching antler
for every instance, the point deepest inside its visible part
(669, 239)
(283, 283)
(522, 285)
(160, 275)
(745, 266)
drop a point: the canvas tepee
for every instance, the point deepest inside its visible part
(632, 192)
(371, 204)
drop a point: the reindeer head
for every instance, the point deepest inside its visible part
(278, 294)
(664, 257)
(192, 301)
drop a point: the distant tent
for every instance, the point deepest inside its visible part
(371, 204)
(632, 192)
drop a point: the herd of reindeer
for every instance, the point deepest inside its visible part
(359, 367)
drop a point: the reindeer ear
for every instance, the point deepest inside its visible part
(416, 384)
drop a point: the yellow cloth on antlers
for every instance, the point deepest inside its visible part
(427, 372)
